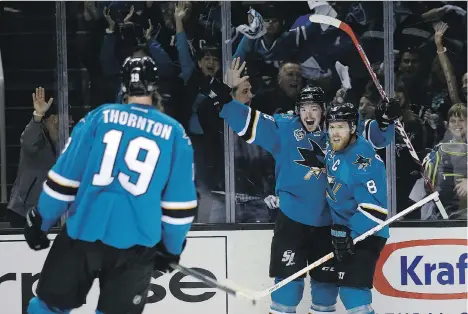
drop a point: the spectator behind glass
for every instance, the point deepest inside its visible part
(410, 72)
(446, 165)
(198, 33)
(254, 167)
(367, 105)
(442, 84)
(195, 78)
(120, 41)
(441, 89)
(38, 154)
(266, 53)
(282, 97)
(407, 171)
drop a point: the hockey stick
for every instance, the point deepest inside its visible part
(253, 296)
(261, 294)
(229, 288)
(324, 19)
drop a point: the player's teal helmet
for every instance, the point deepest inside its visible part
(310, 94)
(139, 76)
(343, 112)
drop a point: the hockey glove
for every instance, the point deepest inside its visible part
(342, 242)
(387, 112)
(163, 258)
(216, 91)
(35, 237)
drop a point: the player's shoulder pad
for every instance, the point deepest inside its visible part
(362, 158)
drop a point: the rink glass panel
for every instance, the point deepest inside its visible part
(419, 81)
(29, 60)
(233, 177)
(273, 80)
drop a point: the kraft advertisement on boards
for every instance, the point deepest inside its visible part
(420, 271)
(423, 271)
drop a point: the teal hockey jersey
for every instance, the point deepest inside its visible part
(126, 178)
(301, 179)
(357, 188)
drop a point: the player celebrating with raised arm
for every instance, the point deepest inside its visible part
(297, 141)
(357, 196)
(126, 180)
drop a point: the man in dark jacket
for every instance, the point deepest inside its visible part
(282, 97)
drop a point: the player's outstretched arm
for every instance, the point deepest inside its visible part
(251, 125)
(380, 132)
(179, 199)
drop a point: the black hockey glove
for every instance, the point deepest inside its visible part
(35, 237)
(387, 112)
(216, 90)
(343, 244)
(163, 258)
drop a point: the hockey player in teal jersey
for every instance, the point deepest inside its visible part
(357, 196)
(125, 179)
(297, 141)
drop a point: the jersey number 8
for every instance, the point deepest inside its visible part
(145, 168)
(371, 187)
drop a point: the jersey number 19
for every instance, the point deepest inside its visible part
(145, 168)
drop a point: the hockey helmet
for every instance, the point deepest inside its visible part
(139, 76)
(310, 94)
(343, 112)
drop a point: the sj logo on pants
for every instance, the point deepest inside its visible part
(288, 258)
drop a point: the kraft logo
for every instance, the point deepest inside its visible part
(419, 270)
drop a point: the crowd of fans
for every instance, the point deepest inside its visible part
(283, 53)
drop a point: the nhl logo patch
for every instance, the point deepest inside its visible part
(299, 134)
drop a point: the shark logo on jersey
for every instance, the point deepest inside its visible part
(362, 162)
(299, 134)
(333, 188)
(314, 159)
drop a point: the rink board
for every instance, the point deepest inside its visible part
(421, 270)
